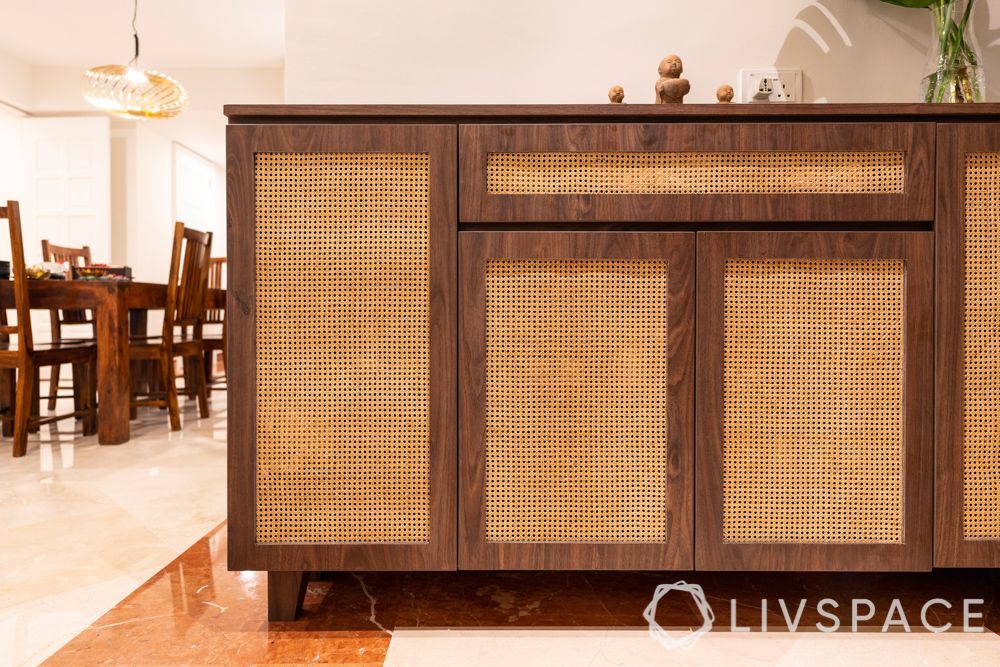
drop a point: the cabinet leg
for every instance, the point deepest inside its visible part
(285, 593)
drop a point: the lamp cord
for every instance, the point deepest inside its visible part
(135, 32)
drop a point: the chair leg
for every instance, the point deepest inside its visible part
(209, 358)
(200, 374)
(8, 397)
(77, 393)
(78, 377)
(188, 364)
(136, 369)
(88, 396)
(26, 375)
(36, 400)
(170, 386)
(53, 386)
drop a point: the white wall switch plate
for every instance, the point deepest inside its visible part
(764, 85)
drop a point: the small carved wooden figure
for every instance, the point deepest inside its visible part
(670, 88)
(616, 94)
(724, 94)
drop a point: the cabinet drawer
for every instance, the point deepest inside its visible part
(696, 172)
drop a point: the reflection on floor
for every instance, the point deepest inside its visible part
(195, 612)
(83, 525)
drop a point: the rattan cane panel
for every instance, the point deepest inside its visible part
(576, 399)
(813, 400)
(735, 172)
(342, 329)
(981, 479)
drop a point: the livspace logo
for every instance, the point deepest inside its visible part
(836, 616)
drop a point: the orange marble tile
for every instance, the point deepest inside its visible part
(196, 612)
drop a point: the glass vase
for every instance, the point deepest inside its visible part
(956, 74)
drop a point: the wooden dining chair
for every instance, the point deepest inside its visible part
(215, 341)
(183, 319)
(72, 317)
(20, 359)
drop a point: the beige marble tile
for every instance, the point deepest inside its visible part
(500, 647)
(84, 525)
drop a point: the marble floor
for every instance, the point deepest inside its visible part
(195, 612)
(84, 525)
(117, 555)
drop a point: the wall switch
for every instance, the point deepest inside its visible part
(765, 85)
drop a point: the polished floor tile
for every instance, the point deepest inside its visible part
(606, 647)
(196, 612)
(84, 525)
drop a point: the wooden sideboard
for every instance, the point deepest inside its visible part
(612, 337)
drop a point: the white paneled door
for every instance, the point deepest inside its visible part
(67, 184)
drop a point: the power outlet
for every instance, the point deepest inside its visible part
(768, 84)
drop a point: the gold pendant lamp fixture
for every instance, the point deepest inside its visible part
(130, 92)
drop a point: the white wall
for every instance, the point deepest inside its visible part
(572, 51)
(11, 177)
(17, 82)
(196, 185)
(11, 181)
(151, 228)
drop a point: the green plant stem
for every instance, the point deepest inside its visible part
(954, 75)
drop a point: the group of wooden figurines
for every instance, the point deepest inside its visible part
(670, 87)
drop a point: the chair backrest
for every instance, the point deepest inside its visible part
(216, 271)
(187, 281)
(74, 257)
(59, 253)
(18, 271)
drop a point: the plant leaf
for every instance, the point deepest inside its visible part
(915, 4)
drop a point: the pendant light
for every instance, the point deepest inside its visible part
(130, 92)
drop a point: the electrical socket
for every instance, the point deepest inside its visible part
(766, 85)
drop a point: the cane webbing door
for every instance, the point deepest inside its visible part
(576, 400)
(345, 246)
(814, 395)
(967, 528)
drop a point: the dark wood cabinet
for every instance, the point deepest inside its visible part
(750, 337)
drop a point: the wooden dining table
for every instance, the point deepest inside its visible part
(119, 308)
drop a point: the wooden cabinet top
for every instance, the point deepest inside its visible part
(599, 113)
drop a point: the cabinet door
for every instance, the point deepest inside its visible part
(576, 411)
(967, 530)
(814, 401)
(342, 251)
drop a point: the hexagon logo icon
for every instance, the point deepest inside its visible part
(676, 640)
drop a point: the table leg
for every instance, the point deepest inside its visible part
(113, 375)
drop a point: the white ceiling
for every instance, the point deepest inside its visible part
(173, 33)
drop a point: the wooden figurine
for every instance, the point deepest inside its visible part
(616, 94)
(724, 94)
(670, 88)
